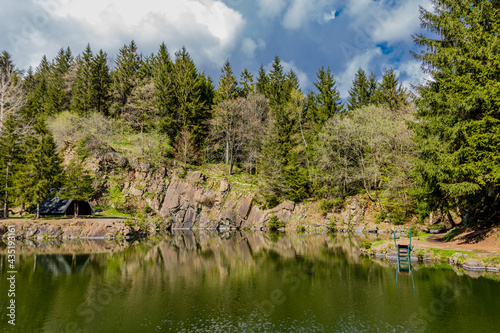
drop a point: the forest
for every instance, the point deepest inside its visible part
(436, 150)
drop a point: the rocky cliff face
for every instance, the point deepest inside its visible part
(197, 201)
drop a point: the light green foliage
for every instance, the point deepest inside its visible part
(458, 127)
(369, 149)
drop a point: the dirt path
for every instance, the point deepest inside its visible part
(486, 241)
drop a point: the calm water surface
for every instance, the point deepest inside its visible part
(239, 282)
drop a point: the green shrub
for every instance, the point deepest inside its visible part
(183, 173)
(275, 223)
(380, 216)
(366, 244)
(326, 206)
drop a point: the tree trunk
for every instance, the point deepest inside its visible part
(37, 210)
(6, 194)
(227, 151)
(75, 205)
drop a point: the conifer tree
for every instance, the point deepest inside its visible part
(458, 128)
(390, 93)
(81, 101)
(326, 102)
(124, 76)
(228, 87)
(262, 81)
(164, 96)
(100, 83)
(41, 173)
(363, 91)
(246, 83)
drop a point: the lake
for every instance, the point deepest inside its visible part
(238, 282)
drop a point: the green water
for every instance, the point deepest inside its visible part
(239, 282)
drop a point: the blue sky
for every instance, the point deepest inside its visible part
(306, 34)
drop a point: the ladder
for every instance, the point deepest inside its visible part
(403, 254)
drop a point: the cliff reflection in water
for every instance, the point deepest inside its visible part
(201, 281)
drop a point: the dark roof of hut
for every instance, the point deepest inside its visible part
(54, 206)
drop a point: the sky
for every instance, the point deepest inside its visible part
(343, 35)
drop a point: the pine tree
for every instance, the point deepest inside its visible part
(326, 102)
(188, 88)
(81, 101)
(262, 81)
(124, 76)
(246, 83)
(57, 98)
(41, 172)
(458, 128)
(100, 83)
(390, 93)
(228, 87)
(12, 134)
(165, 100)
(363, 91)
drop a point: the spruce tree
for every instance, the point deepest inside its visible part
(81, 101)
(458, 127)
(100, 83)
(390, 93)
(41, 173)
(326, 101)
(262, 81)
(228, 87)
(246, 83)
(124, 76)
(363, 91)
(165, 101)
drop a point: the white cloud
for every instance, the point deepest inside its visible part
(301, 12)
(363, 60)
(327, 17)
(303, 79)
(209, 26)
(249, 46)
(412, 73)
(271, 8)
(383, 22)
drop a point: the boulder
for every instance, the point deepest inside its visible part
(474, 265)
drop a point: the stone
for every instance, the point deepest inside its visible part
(189, 218)
(244, 207)
(474, 264)
(136, 192)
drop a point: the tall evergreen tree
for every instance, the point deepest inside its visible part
(228, 86)
(41, 172)
(390, 93)
(326, 102)
(124, 75)
(165, 100)
(363, 91)
(458, 128)
(100, 83)
(188, 88)
(262, 81)
(81, 101)
(246, 83)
